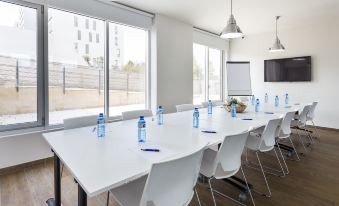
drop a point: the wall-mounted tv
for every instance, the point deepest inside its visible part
(296, 69)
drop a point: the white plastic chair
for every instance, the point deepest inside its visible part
(136, 114)
(225, 163)
(169, 183)
(78, 122)
(265, 142)
(310, 117)
(214, 103)
(185, 107)
(300, 124)
(284, 132)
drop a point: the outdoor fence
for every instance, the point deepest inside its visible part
(23, 73)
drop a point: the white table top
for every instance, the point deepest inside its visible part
(102, 164)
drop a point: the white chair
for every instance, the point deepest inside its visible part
(264, 142)
(225, 162)
(136, 114)
(169, 183)
(284, 132)
(299, 123)
(185, 107)
(214, 103)
(310, 117)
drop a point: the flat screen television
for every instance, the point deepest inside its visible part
(296, 69)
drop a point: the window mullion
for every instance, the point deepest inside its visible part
(106, 82)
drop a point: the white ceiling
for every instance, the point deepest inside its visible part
(253, 16)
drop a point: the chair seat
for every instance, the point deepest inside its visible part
(130, 194)
(253, 143)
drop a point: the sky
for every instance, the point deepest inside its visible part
(9, 14)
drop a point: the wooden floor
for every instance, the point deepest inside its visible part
(312, 181)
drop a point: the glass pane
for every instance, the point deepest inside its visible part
(127, 61)
(214, 76)
(199, 64)
(76, 66)
(18, 64)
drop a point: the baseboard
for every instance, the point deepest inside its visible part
(17, 168)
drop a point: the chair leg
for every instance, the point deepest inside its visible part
(210, 185)
(263, 173)
(283, 159)
(107, 201)
(248, 187)
(301, 141)
(281, 167)
(308, 134)
(295, 150)
(196, 194)
(316, 130)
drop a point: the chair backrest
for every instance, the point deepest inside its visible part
(214, 103)
(136, 114)
(172, 182)
(185, 107)
(303, 114)
(78, 122)
(268, 136)
(310, 115)
(229, 155)
(285, 127)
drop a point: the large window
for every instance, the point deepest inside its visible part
(76, 76)
(127, 68)
(206, 76)
(20, 66)
(93, 66)
(199, 73)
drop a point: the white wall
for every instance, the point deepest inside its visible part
(317, 39)
(172, 54)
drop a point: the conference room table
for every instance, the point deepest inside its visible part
(101, 164)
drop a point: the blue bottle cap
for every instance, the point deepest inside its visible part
(141, 117)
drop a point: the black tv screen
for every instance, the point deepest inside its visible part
(296, 69)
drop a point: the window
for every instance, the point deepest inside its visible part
(97, 37)
(20, 65)
(94, 25)
(214, 77)
(90, 36)
(199, 73)
(76, 21)
(87, 23)
(79, 35)
(127, 90)
(76, 79)
(87, 51)
(206, 76)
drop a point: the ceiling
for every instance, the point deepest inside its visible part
(253, 16)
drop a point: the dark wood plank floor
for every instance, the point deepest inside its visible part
(312, 181)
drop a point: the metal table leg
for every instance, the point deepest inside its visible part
(56, 201)
(82, 196)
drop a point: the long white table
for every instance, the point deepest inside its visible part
(99, 165)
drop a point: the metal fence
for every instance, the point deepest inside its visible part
(23, 73)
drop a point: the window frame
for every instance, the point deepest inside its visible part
(42, 122)
(40, 58)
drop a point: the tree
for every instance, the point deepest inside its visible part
(130, 68)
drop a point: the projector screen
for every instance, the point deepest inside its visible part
(238, 79)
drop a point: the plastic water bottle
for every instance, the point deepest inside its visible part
(196, 118)
(209, 107)
(101, 126)
(234, 110)
(253, 100)
(160, 115)
(266, 98)
(276, 101)
(286, 98)
(141, 130)
(257, 106)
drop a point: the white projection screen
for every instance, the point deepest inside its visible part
(238, 79)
